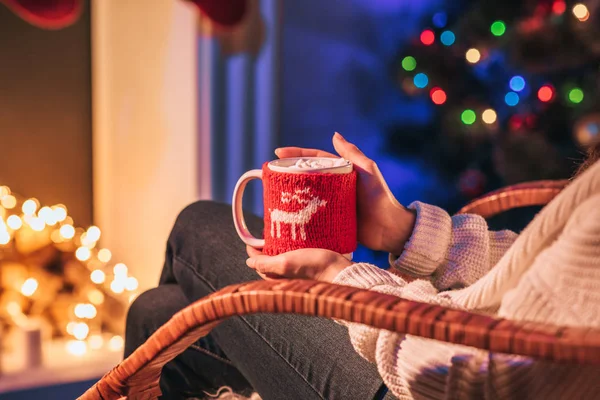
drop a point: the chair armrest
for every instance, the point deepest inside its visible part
(536, 193)
(138, 375)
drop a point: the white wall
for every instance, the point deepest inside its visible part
(144, 125)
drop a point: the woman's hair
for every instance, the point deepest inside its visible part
(593, 155)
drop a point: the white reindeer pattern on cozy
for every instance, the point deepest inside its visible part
(295, 219)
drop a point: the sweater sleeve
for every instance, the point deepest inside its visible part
(453, 252)
(411, 366)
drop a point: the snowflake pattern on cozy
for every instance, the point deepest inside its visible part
(307, 210)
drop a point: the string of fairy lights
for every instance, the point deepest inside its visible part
(53, 222)
(421, 81)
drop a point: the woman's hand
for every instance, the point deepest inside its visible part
(383, 223)
(315, 264)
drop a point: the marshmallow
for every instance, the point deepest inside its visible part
(307, 164)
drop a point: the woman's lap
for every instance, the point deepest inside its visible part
(281, 356)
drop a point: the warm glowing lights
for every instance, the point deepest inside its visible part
(581, 12)
(120, 269)
(409, 63)
(37, 224)
(13, 308)
(81, 330)
(473, 56)
(67, 231)
(438, 96)
(98, 276)
(546, 93)
(4, 191)
(71, 327)
(4, 237)
(29, 287)
(83, 253)
(104, 255)
(85, 311)
(9, 202)
(14, 222)
(116, 343)
(489, 116)
(60, 213)
(131, 284)
(76, 347)
(95, 296)
(427, 37)
(48, 216)
(117, 286)
(95, 342)
(498, 28)
(29, 207)
(575, 95)
(468, 117)
(93, 233)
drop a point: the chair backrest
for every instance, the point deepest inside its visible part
(536, 193)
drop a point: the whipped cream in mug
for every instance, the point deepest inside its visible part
(319, 163)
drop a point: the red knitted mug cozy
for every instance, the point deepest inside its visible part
(309, 210)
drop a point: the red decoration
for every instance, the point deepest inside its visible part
(46, 14)
(320, 207)
(226, 13)
(427, 37)
(546, 93)
(559, 7)
(438, 96)
(58, 14)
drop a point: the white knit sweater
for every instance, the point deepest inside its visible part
(561, 286)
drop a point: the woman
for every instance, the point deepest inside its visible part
(295, 357)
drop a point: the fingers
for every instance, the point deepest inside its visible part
(252, 251)
(351, 153)
(268, 265)
(289, 152)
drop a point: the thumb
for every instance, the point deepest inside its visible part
(350, 152)
(267, 264)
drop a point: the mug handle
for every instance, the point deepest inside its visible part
(238, 213)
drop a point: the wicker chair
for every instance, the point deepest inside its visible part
(137, 377)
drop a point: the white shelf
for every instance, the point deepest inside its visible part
(59, 367)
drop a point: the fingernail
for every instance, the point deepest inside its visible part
(276, 151)
(250, 262)
(339, 136)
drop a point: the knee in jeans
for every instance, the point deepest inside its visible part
(201, 213)
(139, 315)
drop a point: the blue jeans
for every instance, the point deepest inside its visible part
(282, 357)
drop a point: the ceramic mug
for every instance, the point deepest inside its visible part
(303, 208)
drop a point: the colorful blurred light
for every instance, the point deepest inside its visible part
(447, 38)
(559, 7)
(489, 116)
(409, 63)
(517, 83)
(581, 12)
(421, 80)
(576, 95)
(545, 93)
(438, 96)
(468, 117)
(498, 28)
(473, 56)
(511, 98)
(427, 37)
(440, 19)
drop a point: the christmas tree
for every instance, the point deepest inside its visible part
(513, 89)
